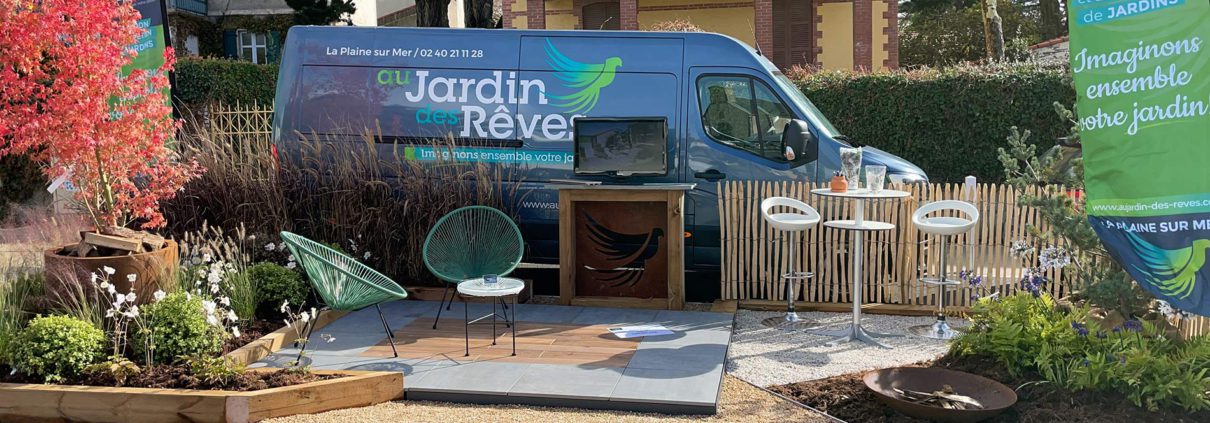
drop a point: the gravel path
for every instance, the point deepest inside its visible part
(740, 402)
(768, 357)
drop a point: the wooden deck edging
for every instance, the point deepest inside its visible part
(62, 403)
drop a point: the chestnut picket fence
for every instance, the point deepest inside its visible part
(754, 254)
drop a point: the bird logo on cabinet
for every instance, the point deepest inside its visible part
(632, 250)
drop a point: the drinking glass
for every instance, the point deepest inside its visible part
(850, 165)
(490, 280)
(875, 177)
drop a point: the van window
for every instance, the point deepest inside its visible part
(743, 112)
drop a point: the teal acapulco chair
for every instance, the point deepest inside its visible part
(344, 284)
(468, 243)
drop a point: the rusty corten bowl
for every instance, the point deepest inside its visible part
(994, 396)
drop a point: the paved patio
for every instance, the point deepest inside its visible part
(565, 356)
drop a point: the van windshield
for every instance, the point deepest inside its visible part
(796, 96)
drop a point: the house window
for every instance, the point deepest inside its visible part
(743, 112)
(252, 46)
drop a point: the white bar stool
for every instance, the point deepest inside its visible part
(945, 227)
(802, 218)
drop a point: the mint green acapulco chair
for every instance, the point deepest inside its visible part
(343, 283)
(468, 243)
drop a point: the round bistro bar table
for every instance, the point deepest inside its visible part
(504, 287)
(859, 225)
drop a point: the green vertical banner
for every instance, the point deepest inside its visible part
(1143, 95)
(149, 49)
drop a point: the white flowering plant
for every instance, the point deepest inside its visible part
(300, 320)
(216, 304)
(121, 312)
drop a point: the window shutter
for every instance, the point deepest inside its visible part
(793, 33)
(230, 47)
(603, 15)
(273, 46)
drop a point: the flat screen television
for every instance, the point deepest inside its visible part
(621, 146)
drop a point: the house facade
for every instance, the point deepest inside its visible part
(250, 30)
(823, 34)
(403, 13)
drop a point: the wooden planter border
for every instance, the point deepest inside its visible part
(58, 403)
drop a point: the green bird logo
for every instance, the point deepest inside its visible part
(586, 79)
(1173, 272)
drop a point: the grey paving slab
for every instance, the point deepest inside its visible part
(681, 372)
(345, 342)
(614, 316)
(410, 308)
(413, 368)
(477, 377)
(693, 319)
(691, 336)
(554, 381)
(366, 320)
(544, 313)
(698, 357)
(669, 386)
(456, 311)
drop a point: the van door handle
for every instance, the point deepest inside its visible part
(710, 175)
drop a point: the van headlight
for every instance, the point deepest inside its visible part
(907, 178)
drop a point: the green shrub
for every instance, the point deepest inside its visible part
(948, 121)
(275, 284)
(57, 347)
(177, 328)
(203, 81)
(1069, 349)
(216, 371)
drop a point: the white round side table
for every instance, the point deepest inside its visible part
(504, 287)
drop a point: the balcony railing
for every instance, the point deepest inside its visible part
(195, 6)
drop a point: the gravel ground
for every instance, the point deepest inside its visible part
(740, 402)
(768, 357)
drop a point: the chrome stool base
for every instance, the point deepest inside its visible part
(791, 321)
(852, 332)
(937, 330)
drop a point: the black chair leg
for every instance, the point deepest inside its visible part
(442, 305)
(507, 323)
(387, 327)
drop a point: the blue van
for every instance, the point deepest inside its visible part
(509, 97)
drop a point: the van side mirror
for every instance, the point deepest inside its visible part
(798, 143)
